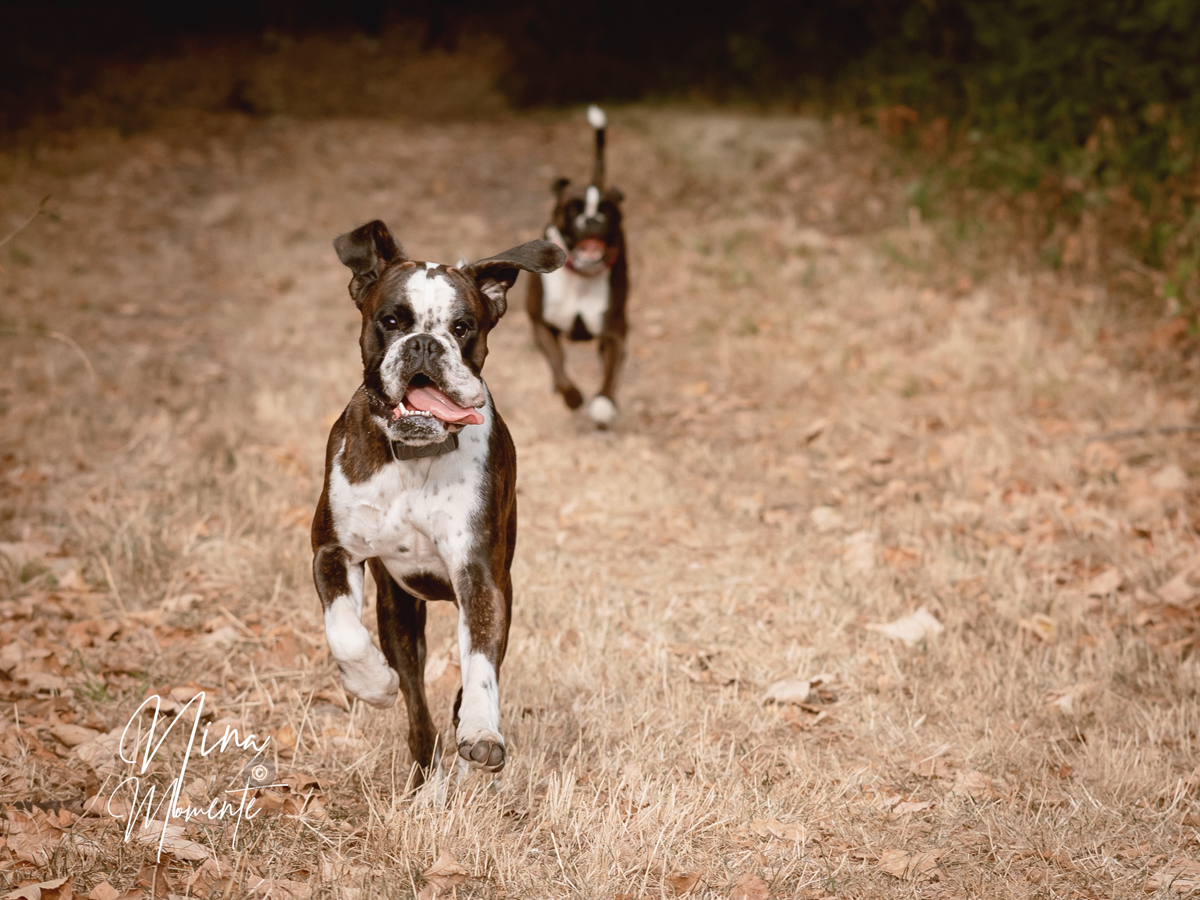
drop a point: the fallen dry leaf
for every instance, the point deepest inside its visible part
(901, 558)
(977, 785)
(1105, 583)
(826, 518)
(1040, 626)
(1180, 876)
(172, 841)
(156, 878)
(58, 889)
(103, 891)
(776, 829)
(859, 552)
(682, 883)
(1066, 699)
(442, 877)
(1184, 587)
(103, 753)
(212, 875)
(73, 735)
(909, 866)
(749, 887)
(1169, 478)
(280, 888)
(34, 848)
(933, 767)
(796, 690)
(912, 629)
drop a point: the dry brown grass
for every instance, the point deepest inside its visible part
(825, 425)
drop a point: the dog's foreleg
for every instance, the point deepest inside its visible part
(548, 342)
(365, 671)
(483, 616)
(603, 408)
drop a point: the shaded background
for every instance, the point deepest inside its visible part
(1047, 71)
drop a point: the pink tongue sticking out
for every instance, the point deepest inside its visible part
(431, 399)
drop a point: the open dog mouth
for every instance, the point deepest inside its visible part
(423, 398)
(589, 253)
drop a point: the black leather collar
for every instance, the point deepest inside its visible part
(408, 451)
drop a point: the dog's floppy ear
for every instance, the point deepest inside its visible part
(496, 274)
(367, 251)
(614, 195)
(557, 188)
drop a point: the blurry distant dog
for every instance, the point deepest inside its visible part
(586, 298)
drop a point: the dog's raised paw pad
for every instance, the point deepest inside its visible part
(485, 754)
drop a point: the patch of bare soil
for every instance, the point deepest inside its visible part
(847, 604)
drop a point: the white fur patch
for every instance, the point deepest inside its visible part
(591, 201)
(479, 714)
(365, 671)
(602, 411)
(416, 516)
(596, 117)
(567, 294)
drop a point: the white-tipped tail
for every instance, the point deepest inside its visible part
(596, 117)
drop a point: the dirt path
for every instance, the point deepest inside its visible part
(828, 423)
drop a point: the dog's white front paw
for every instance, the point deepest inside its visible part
(602, 411)
(370, 678)
(481, 747)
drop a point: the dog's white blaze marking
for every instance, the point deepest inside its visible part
(591, 201)
(479, 714)
(432, 299)
(365, 671)
(567, 294)
(602, 410)
(416, 516)
(596, 117)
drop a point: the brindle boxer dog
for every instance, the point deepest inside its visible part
(420, 484)
(586, 298)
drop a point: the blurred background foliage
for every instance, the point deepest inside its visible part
(1091, 107)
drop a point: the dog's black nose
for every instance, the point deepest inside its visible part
(423, 347)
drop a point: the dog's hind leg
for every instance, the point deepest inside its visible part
(402, 634)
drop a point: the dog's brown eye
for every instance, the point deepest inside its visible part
(461, 329)
(389, 323)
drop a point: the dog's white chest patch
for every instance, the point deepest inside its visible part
(567, 294)
(415, 515)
